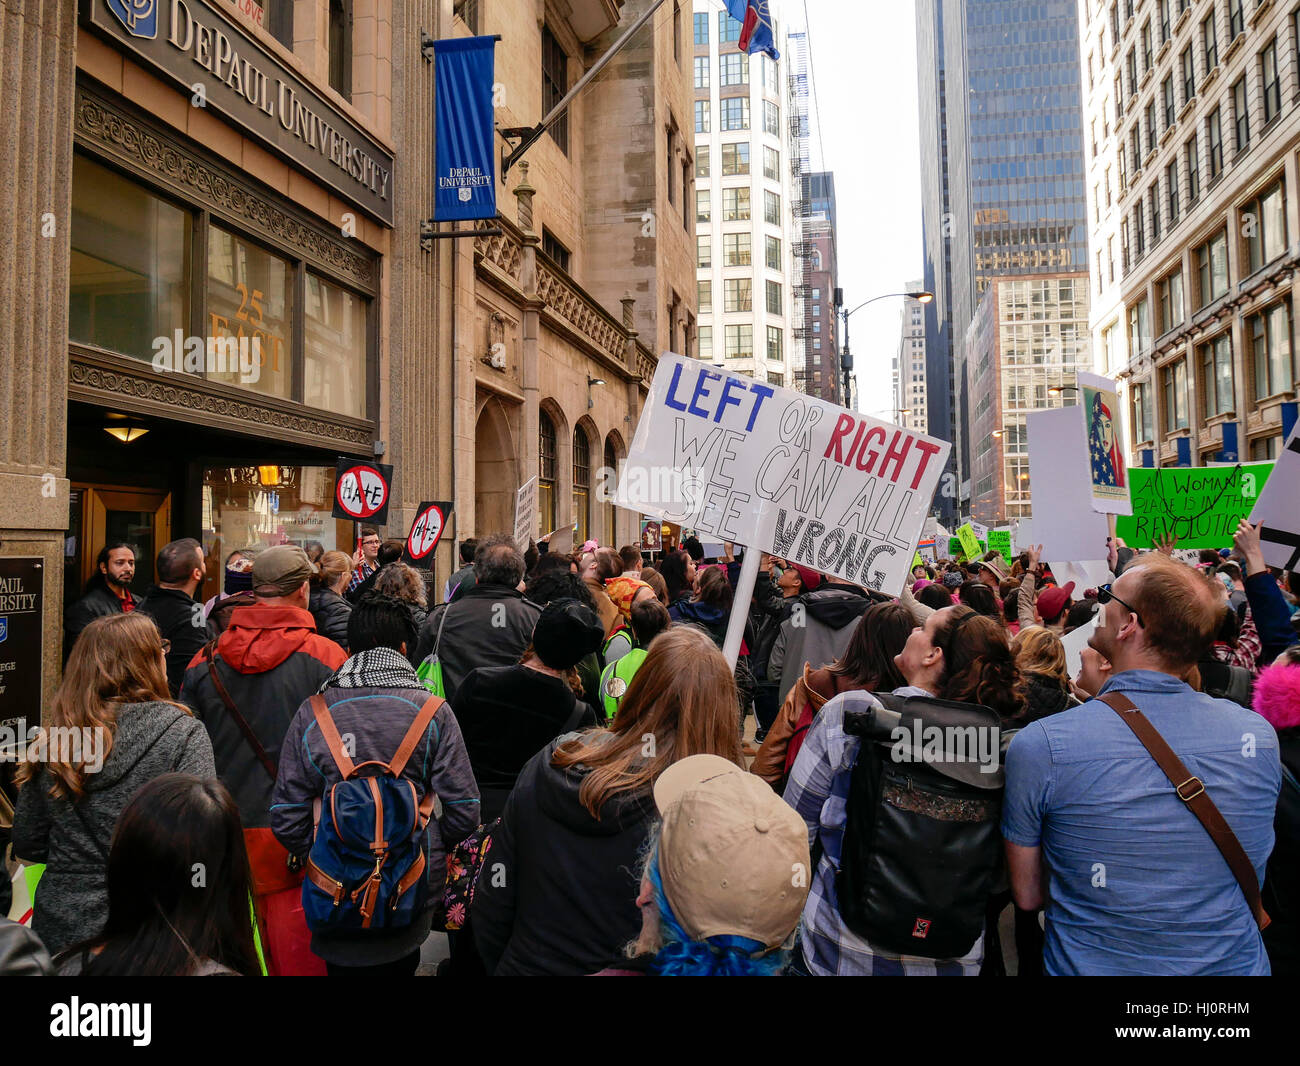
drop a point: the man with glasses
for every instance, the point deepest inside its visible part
(181, 570)
(1134, 882)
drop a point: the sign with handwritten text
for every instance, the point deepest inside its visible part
(1201, 506)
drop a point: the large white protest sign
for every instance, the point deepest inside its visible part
(1060, 475)
(1277, 511)
(525, 512)
(778, 471)
(1074, 642)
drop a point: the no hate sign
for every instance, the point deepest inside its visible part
(362, 491)
(779, 471)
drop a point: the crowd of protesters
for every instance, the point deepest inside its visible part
(560, 769)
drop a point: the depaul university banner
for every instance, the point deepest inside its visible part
(464, 178)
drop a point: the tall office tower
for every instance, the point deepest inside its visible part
(910, 409)
(1192, 135)
(747, 189)
(1002, 161)
(824, 375)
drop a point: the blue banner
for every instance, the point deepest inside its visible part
(464, 175)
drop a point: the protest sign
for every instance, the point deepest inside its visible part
(1277, 509)
(778, 471)
(1000, 540)
(1064, 520)
(361, 491)
(652, 535)
(1074, 642)
(1100, 406)
(970, 542)
(1022, 535)
(426, 531)
(981, 530)
(525, 512)
(1201, 506)
(926, 551)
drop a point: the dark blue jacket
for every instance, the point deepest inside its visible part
(1272, 615)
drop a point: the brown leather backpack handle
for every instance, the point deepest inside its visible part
(1191, 791)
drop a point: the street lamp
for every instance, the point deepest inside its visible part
(846, 360)
(1057, 390)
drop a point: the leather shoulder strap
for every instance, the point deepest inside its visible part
(1192, 792)
(268, 764)
(330, 732)
(398, 763)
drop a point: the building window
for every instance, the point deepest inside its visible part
(771, 164)
(1211, 42)
(1236, 19)
(1215, 134)
(1263, 225)
(1211, 260)
(546, 466)
(1143, 416)
(701, 72)
(735, 205)
(1193, 171)
(1139, 327)
(581, 484)
(130, 267)
(771, 118)
(1269, 336)
(728, 28)
(704, 292)
(1216, 375)
(774, 341)
(1171, 190)
(737, 294)
(1139, 228)
(1175, 389)
(733, 69)
(773, 297)
(740, 341)
(1152, 131)
(1241, 116)
(772, 252)
(250, 294)
(701, 27)
(706, 342)
(279, 20)
(677, 32)
(1189, 74)
(735, 158)
(771, 208)
(1167, 93)
(735, 112)
(555, 83)
(1154, 207)
(702, 161)
(735, 249)
(1146, 46)
(703, 251)
(1164, 21)
(555, 251)
(340, 45)
(1172, 311)
(1132, 65)
(1272, 84)
(703, 201)
(702, 121)
(335, 328)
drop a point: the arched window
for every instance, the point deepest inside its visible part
(816, 259)
(581, 484)
(611, 464)
(546, 472)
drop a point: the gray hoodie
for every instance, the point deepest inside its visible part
(72, 898)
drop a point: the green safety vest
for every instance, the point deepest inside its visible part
(617, 677)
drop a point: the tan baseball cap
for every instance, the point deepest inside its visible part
(733, 855)
(281, 570)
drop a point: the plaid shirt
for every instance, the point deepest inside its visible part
(819, 790)
(360, 574)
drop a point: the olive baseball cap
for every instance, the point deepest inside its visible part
(281, 570)
(733, 855)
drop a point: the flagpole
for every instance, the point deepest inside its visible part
(531, 137)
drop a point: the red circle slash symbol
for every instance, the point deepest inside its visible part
(362, 491)
(426, 533)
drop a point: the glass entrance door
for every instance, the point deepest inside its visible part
(107, 515)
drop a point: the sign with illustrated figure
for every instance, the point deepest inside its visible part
(1100, 404)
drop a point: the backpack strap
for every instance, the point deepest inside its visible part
(210, 654)
(1191, 791)
(413, 734)
(330, 732)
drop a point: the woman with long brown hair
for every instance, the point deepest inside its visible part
(573, 829)
(1040, 655)
(112, 727)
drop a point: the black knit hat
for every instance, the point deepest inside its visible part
(566, 632)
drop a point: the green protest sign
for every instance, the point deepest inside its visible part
(917, 560)
(1201, 506)
(1000, 540)
(970, 543)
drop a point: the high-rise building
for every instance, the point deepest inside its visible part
(1002, 156)
(910, 408)
(747, 184)
(1193, 131)
(821, 277)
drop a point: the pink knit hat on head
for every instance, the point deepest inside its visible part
(1277, 695)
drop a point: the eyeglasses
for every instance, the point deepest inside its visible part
(166, 646)
(1105, 595)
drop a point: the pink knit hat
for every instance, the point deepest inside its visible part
(1277, 695)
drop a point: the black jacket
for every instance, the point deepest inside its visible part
(568, 904)
(331, 612)
(98, 602)
(507, 714)
(490, 625)
(180, 619)
(1281, 892)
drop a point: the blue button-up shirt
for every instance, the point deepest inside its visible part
(1137, 885)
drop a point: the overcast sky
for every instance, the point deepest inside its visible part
(864, 82)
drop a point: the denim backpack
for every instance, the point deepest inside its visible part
(366, 868)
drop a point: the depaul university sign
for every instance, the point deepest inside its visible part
(194, 44)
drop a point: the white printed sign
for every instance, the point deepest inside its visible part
(525, 512)
(778, 471)
(1277, 511)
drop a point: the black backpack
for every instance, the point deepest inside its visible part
(922, 842)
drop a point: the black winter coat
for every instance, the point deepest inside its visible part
(179, 618)
(331, 612)
(98, 602)
(1281, 892)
